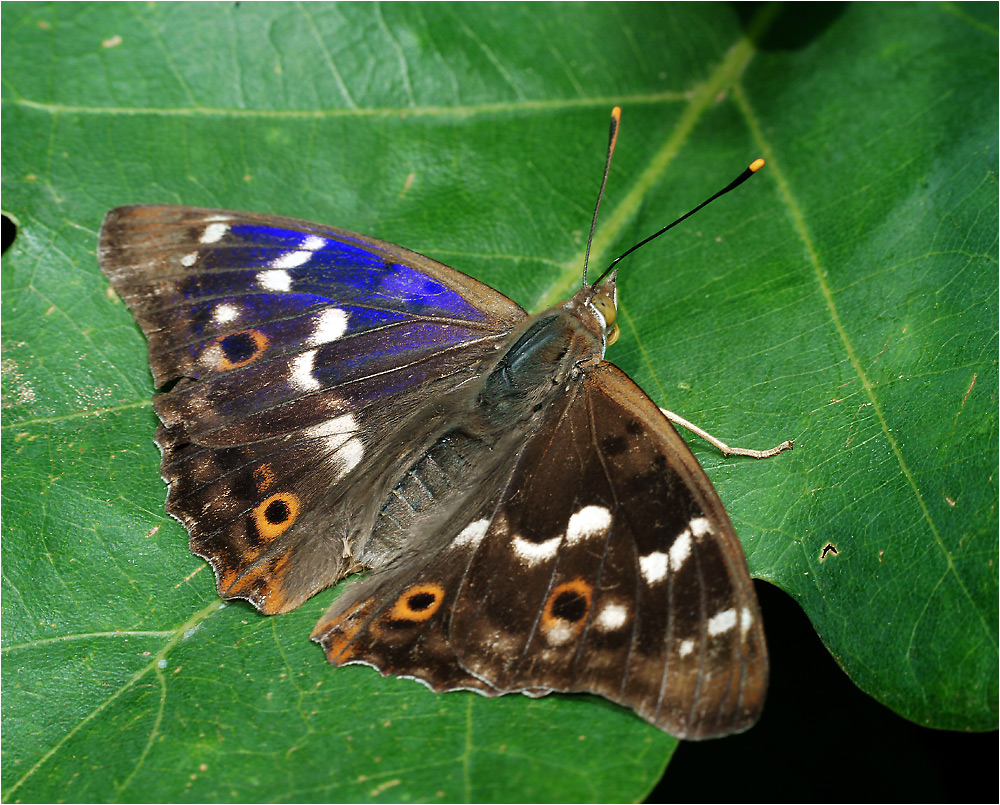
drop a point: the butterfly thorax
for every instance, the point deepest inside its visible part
(546, 351)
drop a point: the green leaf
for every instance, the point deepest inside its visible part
(845, 298)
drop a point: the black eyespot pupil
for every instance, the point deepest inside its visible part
(277, 512)
(239, 347)
(569, 606)
(420, 601)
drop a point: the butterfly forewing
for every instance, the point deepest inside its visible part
(293, 347)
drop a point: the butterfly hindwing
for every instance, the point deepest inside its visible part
(398, 620)
(618, 580)
(624, 583)
(291, 348)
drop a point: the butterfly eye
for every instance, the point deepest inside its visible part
(602, 304)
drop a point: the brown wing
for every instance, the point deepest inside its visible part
(618, 573)
(604, 563)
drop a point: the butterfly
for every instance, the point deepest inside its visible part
(529, 519)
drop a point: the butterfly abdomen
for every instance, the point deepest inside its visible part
(433, 481)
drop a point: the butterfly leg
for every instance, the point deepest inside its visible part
(724, 448)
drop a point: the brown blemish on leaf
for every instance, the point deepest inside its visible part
(408, 183)
(384, 786)
(968, 391)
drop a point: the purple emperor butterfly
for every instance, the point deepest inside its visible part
(531, 520)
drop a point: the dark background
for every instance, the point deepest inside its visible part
(848, 742)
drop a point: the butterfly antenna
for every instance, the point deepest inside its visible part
(616, 116)
(755, 166)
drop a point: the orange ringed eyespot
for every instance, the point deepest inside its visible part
(276, 514)
(418, 603)
(238, 349)
(568, 602)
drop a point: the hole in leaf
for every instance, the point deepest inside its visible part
(9, 233)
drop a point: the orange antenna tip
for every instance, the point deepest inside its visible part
(616, 119)
(755, 166)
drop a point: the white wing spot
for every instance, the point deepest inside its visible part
(473, 533)
(700, 526)
(290, 259)
(722, 622)
(313, 243)
(328, 326)
(559, 633)
(225, 313)
(590, 521)
(653, 567)
(189, 260)
(535, 552)
(680, 550)
(302, 372)
(612, 617)
(275, 280)
(338, 430)
(350, 454)
(687, 646)
(338, 437)
(746, 619)
(214, 232)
